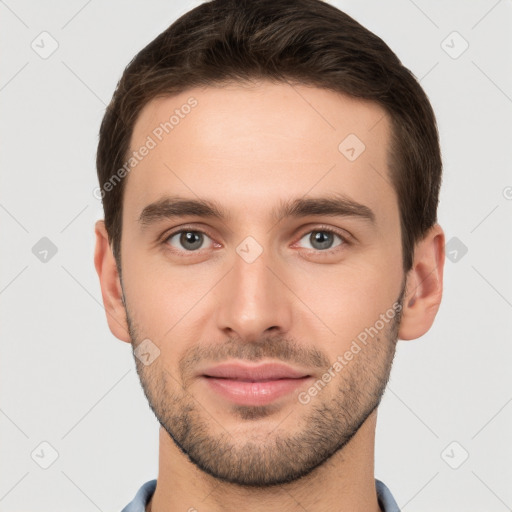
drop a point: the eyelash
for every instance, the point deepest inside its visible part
(323, 229)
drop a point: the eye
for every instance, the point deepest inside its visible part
(323, 239)
(190, 240)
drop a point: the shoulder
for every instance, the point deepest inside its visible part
(386, 501)
(138, 504)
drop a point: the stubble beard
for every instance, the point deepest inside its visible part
(327, 423)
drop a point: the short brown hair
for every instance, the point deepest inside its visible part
(306, 42)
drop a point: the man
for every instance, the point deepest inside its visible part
(270, 176)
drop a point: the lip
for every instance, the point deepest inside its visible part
(254, 385)
(262, 372)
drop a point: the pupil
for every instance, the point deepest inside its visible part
(191, 238)
(323, 239)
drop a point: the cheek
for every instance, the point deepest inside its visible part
(162, 298)
(345, 305)
(346, 300)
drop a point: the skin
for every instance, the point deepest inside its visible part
(251, 148)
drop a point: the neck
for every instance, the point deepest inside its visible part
(343, 483)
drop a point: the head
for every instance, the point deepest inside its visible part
(270, 176)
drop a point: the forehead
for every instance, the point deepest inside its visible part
(264, 140)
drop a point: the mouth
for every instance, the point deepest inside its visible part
(254, 385)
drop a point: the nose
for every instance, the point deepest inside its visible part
(254, 299)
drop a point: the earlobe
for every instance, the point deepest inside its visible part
(424, 285)
(110, 283)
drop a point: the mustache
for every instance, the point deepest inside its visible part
(275, 347)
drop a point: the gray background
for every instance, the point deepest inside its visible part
(66, 381)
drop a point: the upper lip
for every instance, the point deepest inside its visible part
(267, 371)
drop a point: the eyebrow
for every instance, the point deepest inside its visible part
(336, 205)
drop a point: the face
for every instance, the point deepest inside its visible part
(293, 257)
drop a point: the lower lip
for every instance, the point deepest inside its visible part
(254, 393)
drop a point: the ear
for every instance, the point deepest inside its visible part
(424, 285)
(110, 283)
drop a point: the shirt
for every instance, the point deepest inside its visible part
(386, 501)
